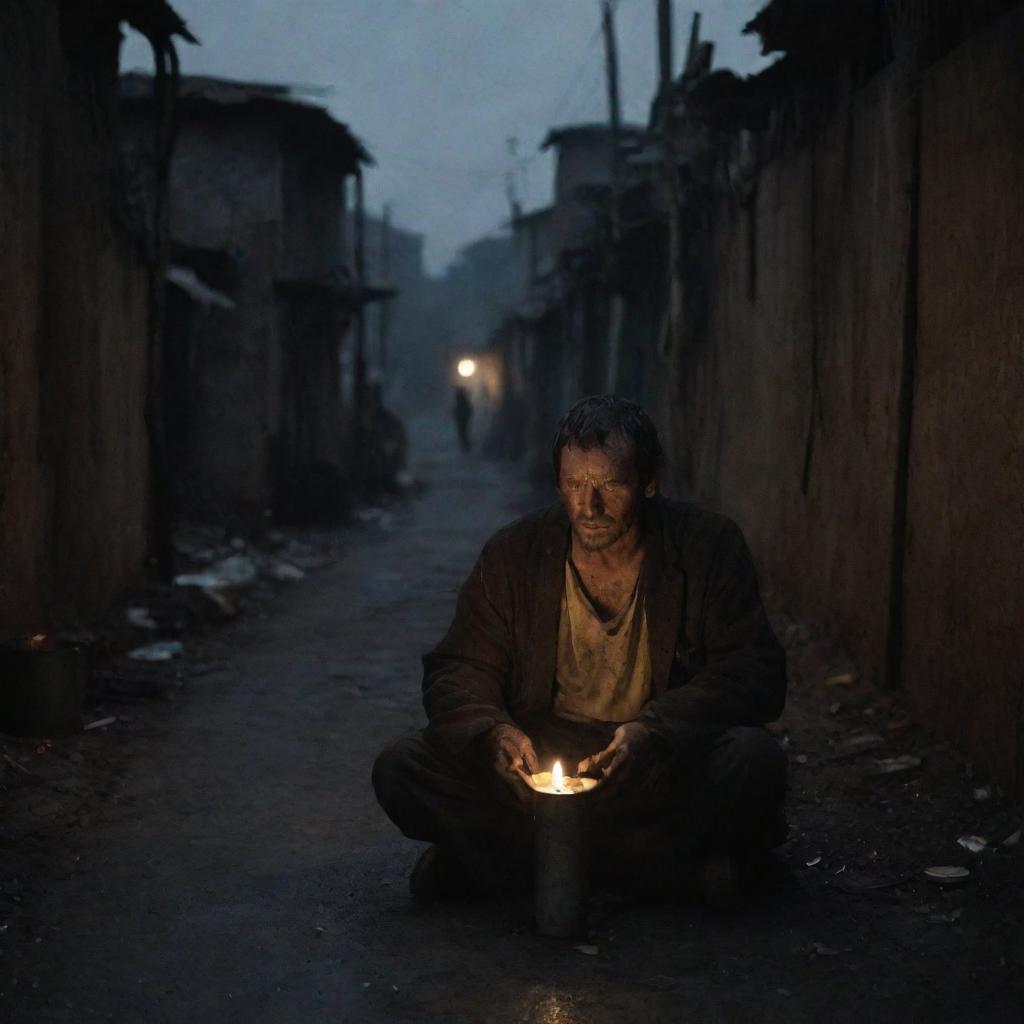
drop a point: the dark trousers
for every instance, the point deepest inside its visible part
(666, 812)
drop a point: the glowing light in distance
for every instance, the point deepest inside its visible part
(467, 367)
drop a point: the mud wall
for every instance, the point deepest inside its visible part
(73, 314)
(785, 407)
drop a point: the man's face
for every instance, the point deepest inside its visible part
(601, 492)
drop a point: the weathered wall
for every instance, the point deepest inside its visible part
(73, 313)
(964, 591)
(807, 320)
(793, 391)
(226, 195)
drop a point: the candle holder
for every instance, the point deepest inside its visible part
(561, 882)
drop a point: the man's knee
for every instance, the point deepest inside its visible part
(750, 758)
(393, 772)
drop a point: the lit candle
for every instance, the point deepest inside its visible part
(557, 783)
(560, 850)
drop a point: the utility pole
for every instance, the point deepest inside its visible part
(511, 192)
(612, 70)
(617, 309)
(359, 368)
(664, 48)
(384, 309)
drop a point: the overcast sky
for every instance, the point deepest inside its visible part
(436, 88)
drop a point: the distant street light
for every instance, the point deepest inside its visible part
(467, 367)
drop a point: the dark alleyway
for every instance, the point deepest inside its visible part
(241, 871)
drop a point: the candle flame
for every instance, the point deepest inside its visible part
(557, 778)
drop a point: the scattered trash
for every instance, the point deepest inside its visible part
(18, 766)
(237, 544)
(892, 765)
(982, 793)
(140, 618)
(833, 709)
(783, 992)
(198, 579)
(1012, 840)
(951, 918)
(822, 950)
(973, 843)
(217, 605)
(164, 650)
(367, 984)
(845, 678)
(785, 743)
(100, 723)
(814, 863)
(858, 743)
(587, 950)
(801, 759)
(898, 725)
(385, 520)
(235, 571)
(946, 874)
(284, 572)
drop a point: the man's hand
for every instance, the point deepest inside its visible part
(629, 743)
(511, 753)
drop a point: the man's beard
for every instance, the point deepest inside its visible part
(605, 538)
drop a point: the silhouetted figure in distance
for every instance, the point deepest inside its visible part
(463, 411)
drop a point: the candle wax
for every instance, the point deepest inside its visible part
(542, 783)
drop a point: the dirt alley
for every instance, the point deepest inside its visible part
(233, 865)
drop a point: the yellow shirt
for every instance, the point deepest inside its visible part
(604, 667)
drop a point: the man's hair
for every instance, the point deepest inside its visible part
(595, 421)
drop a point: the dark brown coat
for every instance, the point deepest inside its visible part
(716, 662)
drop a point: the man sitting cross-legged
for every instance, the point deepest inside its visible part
(624, 634)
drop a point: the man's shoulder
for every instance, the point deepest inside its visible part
(537, 529)
(692, 527)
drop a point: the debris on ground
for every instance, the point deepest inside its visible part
(163, 650)
(859, 742)
(140, 618)
(843, 678)
(895, 765)
(100, 723)
(285, 572)
(947, 874)
(973, 843)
